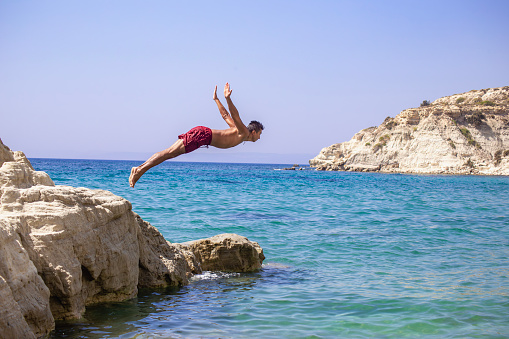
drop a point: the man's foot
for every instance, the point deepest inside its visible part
(133, 177)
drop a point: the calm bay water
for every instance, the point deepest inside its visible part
(349, 255)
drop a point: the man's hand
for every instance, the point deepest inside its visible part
(227, 90)
(215, 94)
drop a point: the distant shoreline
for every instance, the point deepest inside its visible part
(170, 161)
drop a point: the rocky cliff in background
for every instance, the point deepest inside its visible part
(464, 133)
(63, 248)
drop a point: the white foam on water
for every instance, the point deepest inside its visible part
(274, 265)
(210, 275)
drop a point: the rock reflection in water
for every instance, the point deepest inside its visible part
(205, 306)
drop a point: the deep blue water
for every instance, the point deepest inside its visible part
(350, 255)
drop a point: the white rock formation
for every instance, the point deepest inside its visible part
(63, 248)
(464, 133)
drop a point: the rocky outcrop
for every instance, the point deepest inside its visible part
(63, 248)
(161, 263)
(464, 133)
(227, 252)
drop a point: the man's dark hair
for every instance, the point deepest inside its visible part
(255, 126)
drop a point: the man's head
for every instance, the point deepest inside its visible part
(255, 129)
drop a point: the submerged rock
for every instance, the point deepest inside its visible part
(464, 133)
(63, 248)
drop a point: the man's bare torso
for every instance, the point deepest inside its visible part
(226, 138)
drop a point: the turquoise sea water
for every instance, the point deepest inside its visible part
(348, 255)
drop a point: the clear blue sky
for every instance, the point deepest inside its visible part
(121, 79)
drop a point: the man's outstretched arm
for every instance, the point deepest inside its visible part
(233, 111)
(224, 113)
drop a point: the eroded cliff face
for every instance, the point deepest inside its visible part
(464, 133)
(63, 248)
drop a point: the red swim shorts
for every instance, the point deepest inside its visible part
(196, 137)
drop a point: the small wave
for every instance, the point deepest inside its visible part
(274, 265)
(210, 275)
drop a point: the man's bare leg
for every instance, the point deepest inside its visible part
(174, 151)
